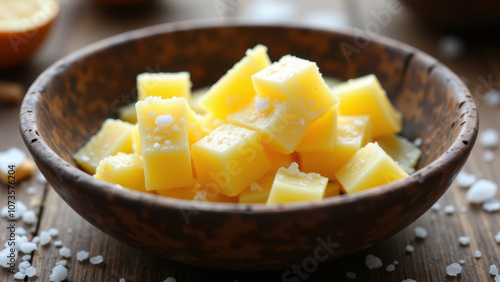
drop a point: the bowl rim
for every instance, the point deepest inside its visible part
(72, 175)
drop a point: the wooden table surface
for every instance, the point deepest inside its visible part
(82, 22)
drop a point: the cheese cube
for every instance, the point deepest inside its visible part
(209, 123)
(127, 113)
(234, 90)
(368, 168)
(333, 188)
(277, 160)
(114, 136)
(229, 159)
(291, 185)
(297, 80)
(281, 124)
(125, 170)
(365, 96)
(404, 152)
(258, 192)
(321, 134)
(353, 132)
(195, 127)
(164, 85)
(164, 142)
(136, 140)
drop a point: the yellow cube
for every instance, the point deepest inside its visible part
(365, 96)
(234, 90)
(127, 113)
(115, 136)
(297, 80)
(125, 170)
(368, 168)
(209, 123)
(258, 192)
(404, 152)
(164, 142)
(229, 159)
(277, 160)
(164, 85)
(333, 188)
(136, 140)
(353, 132)
(291, 185)
(321, 134)
(281, 124)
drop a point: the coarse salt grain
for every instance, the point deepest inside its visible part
(497, 237)
(20, 231)
(481, 191)
(156, 146)
(372, 261)
(478, 254)
(23, 265)
(59, 273)
(497, 278)
(461, 261)
(492, 205)
(351, 275)
(453, 269)
(82, 255)
(390, 268)
(35, 240)
(40, 178)
(65, 252)
(5, 259)
(262, 104)
(418, 141)
(409, 248)
(492, 98)
(464, 241)
(17, 213)
(164, 120)
(96, 260)
(420, 232)
(493, 269)
(53, 232)
(28, 247)
(31, 190)
(122, 280)
(436, 207)
(58, 244)
(30, 271)
(169, 279)
(29, 217)
(19, 275)
(293, 169)
(488, 138)
(465, 180)
(449, 209)
(488, 156)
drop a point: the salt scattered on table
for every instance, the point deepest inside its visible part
(488, 138)
(350, 275)
(35, 240)
(28, 247)
(372, 261)
(96, 260)
(410, 248)
(420, 232)
(492, 98)
(464, 241)
(481, 191)
(461, 261)
(19, 276)
(62, 262)
(26, 257)
(169, 279)
(418, 141)
(390, 268)
(45, 238)
(449, 209)
(59, 273)
(82, 255)
(23, 265)
(53, 232)
(492, 205)
(453, 269)
(493, 270)
(488, 156)
(31, 190)
(465, 180)
(497, 278)
(20, 231)
(478, 254)
(58, 243)
(30, 271)
(436, 207)
(65, 252)
(29, 217)
(17, 213)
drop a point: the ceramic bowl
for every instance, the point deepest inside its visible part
(68, 102)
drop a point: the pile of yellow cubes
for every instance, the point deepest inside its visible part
(264, 133)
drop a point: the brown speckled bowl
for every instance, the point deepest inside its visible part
(69, 101)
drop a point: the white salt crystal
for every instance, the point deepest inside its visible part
(65, 252)
(40, 178)
(156, 146)
(30, 271)
(449, 209)
(28, 247)
(175, 128)
(12, 156)
(488, 138)
(31, 190)
(488, 156)
(44, 238)
(302, 122)
(122, 280)
(493, 270)
(164, 120)
(420, 232)
(96, 260)
(18, 240)
(463, 209)
(58, 243)
(53, 232)
(20, 231)
(478, 254)
(497, 237)
(492, 98)
(372, 261)
(351, 275)
(19, 276)
(464, 241)
(293, 169)
(23, 265)
(410, 248)
(85, 158)
(59, 273)
(29, 217)
(451, 46)
(82, 255)
(62, 262)
(35, 240)
(5, 259)
(461, 261)
(453, 269)
(169, 279)
(481, 191)
(497, 278)
(395, 262)
(465, 180)
(26, 257)
(418, 141)
(436, 207)
(491, 205)
(390, 268)
(262, 104)
(17, 213)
